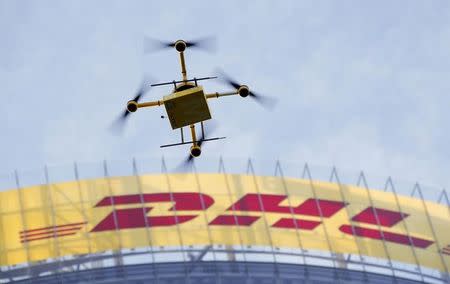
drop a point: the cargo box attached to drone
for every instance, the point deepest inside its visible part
(186, 107)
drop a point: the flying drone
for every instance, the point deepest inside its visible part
(187, 104)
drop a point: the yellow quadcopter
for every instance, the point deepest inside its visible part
(187, 104)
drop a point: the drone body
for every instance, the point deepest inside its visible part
(187, 105)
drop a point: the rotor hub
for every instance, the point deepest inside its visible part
(132, 106)
(195, 151)
(243, 91)
(180, 45)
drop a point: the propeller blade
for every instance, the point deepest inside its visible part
(144, 88)
(227, 79)
(187, 163)
(206, 43)
(118, 124)
(264, 101)
(153, 45)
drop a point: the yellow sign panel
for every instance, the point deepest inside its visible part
(89, 216)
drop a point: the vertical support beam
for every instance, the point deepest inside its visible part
(445, 197)
(362, 179)
(266, 225)
(147, 227)
(208, 228)
(92, 198)
(85, 219)
(340, 258)
(306, 172)
(445, 277)
(279, 170)
(180, 237)
(117, 253)
(390, 184)
(335, 176)
(24, 222)
(3, 249)
(233, 210)
(53, 217)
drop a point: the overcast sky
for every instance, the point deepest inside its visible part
(361, 84)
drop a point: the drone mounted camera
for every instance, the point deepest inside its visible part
(187, 104)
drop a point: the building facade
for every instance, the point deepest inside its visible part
(203, 226)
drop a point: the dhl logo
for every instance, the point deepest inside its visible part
(257, 204)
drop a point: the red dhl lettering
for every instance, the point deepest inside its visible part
(137, 217)
(133, 218)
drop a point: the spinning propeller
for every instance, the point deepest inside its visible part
(206, 43)
(196, 151)
(244, 91)
(119, 123)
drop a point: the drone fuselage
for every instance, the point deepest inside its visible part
(186, 107)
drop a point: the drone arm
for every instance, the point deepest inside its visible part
(149, 104)
(216, 95)
(194, 136)
(183, 66)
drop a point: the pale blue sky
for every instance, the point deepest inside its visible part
(361, 85)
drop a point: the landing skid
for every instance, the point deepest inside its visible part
(190, 142)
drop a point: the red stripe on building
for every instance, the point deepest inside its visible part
(47, 237)
(52, 227)
(55, 231)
